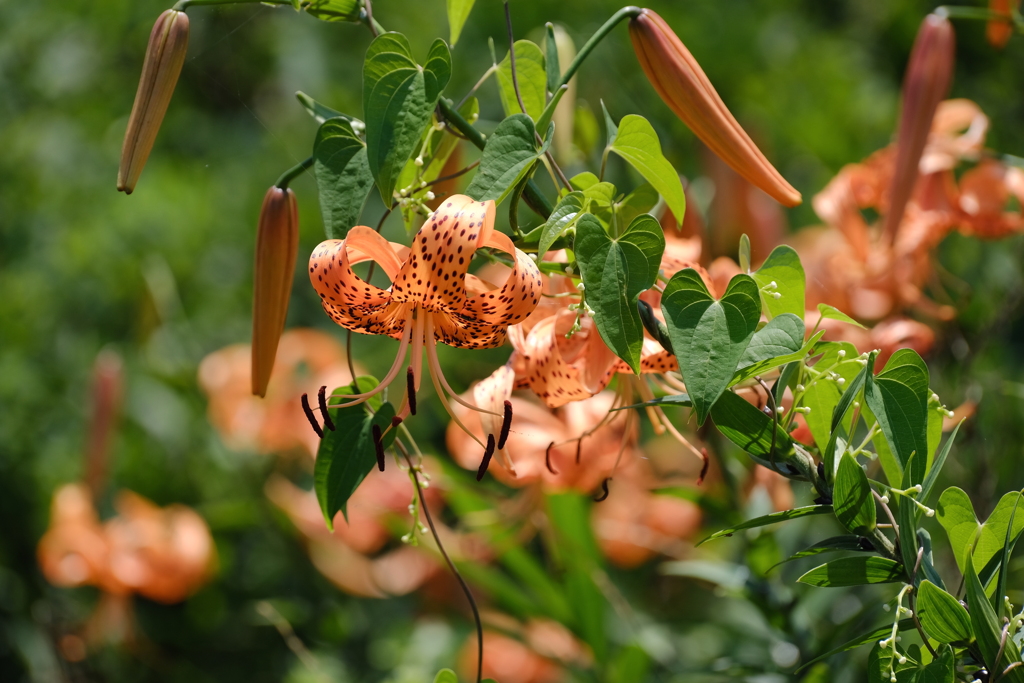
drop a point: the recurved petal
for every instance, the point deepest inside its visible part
(547, 372)
(490, 394)
(683, 85)
(352, 302)
(434, 274)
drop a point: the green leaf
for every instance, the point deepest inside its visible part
(458, 12)
(615, 272)
(773, 518)
(678, 400)
(866, 639)
(907, 517)
(551, 65)
(630, 665)
(898, 397)
(940, 460)
(446, 675)
(332, 10)
(854, 571)
(782, 267)
(610, 129)
(829, 545)
(549, 109)
(532, 80)
(593, 189)
(342, 176)
(942, 616)
(941, 670)
(709, 336)
(1003, 556)
(751, 430)
(570, 516)
(955, 513)
(822, 395)
(566, 213)
(639, 201)
(321, 112)
(883, 663)
(743, 255)
(779, 342)
(347, 454)
(638, 144)
(852, 499)
(398, 101)
(835, 314)
(987, 629)
(993, 536)
(508, 156)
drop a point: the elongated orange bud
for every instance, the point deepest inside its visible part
(277, 245)
(107, 390)
(165, 56)
(926, 83)
(998, 32)
(684, 87)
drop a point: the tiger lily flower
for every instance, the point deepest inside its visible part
(432, 297)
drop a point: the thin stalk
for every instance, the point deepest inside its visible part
(366, 16)
(182, 5)
(624, 13)
(454, 175)
(414, 473)
(975, 13)
(512, 58)
(491, 70)
(293, 173)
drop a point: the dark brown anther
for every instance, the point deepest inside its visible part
(704, 467)
(604, 491)
(506, 424)
(410, 388)
(378, 446)
(488, 452)
(547, 458)
(328, 422)
(311, 417)
(395, 421)
(579, 448)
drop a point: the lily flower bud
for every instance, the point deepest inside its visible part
(165, 55)
(684, 87)
(925, 85)
(277, 245)
(998, 32)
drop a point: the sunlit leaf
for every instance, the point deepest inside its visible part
(852, 499)
(458, 12)
(751, 429)
(942, 615)
(568, 210)
(782, 267)
(996, 653)
(822, 395)
(532, 78)
(955, 513)
(854, 571)
(638, 144)
(834, 313)
(898, 397)
(831, 545)
(332, 10)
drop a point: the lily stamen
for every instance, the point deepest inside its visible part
(311, 417)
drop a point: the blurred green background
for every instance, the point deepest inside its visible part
(164, 277)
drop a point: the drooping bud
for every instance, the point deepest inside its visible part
(277, 245)
(925, 85)
(107, 390)
(998, 32)
(684, 87)
(165, 55)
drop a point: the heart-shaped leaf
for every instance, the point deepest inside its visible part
(398, 100)
(342, 176)
(508, 156)
(709, 336)
(955, 513)
(615, 272)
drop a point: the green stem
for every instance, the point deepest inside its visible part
(532, 194)
(976, 13)
(182, 5)
(293, 172)
(626, 12)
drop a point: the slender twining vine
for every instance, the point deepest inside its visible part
(591, 291)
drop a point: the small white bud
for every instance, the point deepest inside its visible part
(929, 513)
(885, 500)
(418, 160)
(580, 287)
(776, 295)
(841, 381)
(533, 256)
(902, 659)
(429, 196)
(773, 285)
(886, 607)
(842, 353)
(801, 388)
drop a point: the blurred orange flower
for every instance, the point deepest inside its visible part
(306, 360)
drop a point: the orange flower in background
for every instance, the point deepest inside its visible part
(306, 360)
(354, 556)
(684, 87)
(998, 32)
(165, 55)
(539, 653)
(432, 296)
(277, 245)
(164, 554)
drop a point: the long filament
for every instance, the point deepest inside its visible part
(395, 368)
(431, 344)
